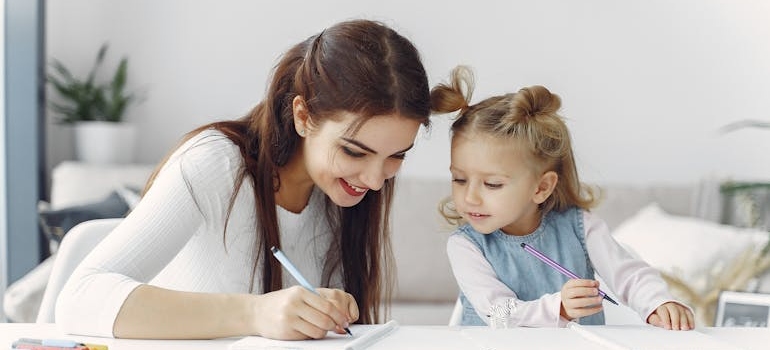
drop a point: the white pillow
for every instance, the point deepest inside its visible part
(685, 247)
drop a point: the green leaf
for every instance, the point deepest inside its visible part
(97, 64)
(86, 99)
(119, 80)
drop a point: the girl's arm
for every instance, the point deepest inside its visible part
(635, 283)
(478, 281)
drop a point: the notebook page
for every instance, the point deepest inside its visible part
(363, 336)
(644, 337)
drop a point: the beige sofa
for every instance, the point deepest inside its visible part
(425, 292)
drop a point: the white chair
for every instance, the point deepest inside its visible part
(77, 243)
(457, 314)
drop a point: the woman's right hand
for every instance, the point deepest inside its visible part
(344, 302)
(296, 313)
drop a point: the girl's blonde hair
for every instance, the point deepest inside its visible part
(528, 116)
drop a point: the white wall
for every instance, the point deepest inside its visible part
(645, 84)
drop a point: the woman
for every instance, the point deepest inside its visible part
(309, 170)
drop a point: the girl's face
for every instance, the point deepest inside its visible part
(346, 166)
(493, 185)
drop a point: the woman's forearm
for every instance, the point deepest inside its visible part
(155, 313)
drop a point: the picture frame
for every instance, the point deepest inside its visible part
(742, 309)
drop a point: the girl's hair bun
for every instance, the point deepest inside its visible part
(534, 101)
(455, 96)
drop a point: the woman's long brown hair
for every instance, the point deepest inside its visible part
(359, 66)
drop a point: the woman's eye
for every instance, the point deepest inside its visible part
(352, 153)
(399, 156)
(458, 181)
(493, 186)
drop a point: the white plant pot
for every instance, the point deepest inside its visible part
(104, 142)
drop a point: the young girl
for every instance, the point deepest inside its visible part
(309, 170)
(514, 181)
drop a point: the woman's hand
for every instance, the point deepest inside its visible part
(672, 316)
(344, 302)
(580, 298)
(296, 313)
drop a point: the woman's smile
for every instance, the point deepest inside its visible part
(352, 189)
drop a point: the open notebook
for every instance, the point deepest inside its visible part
(648, 337)
(363, 337)
(620, 337)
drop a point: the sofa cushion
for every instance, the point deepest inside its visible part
(56, 223)
(686, 247)
(703, 256)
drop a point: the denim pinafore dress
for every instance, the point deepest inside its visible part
(560, 237)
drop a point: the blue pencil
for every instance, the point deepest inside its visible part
(294, 272)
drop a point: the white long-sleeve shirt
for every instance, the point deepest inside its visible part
(635, 283)
(175, 239)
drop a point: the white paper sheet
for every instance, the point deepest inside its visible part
(363, 337)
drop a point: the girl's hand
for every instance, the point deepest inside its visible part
(672, 316)
(296, 313)
(580, 298)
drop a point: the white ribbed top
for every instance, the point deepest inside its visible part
(170, 242)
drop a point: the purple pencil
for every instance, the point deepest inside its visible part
(528, 248)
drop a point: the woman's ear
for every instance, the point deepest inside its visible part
(301, 115)
(545, 186)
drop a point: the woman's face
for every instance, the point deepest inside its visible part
(346, 164)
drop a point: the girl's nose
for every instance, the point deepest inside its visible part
(472, 195)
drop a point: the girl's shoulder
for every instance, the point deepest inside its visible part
(467, 231)
(463, 230)
(571, 214)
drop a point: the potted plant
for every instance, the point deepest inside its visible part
(95, 109)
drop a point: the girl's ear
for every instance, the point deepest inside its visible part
(301, 115)
(545, 186)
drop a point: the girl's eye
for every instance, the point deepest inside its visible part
(351, 152)
(458, 181)
(400, 156)
(493, 186)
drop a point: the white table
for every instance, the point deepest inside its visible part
(406, 337)
(9, 332)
